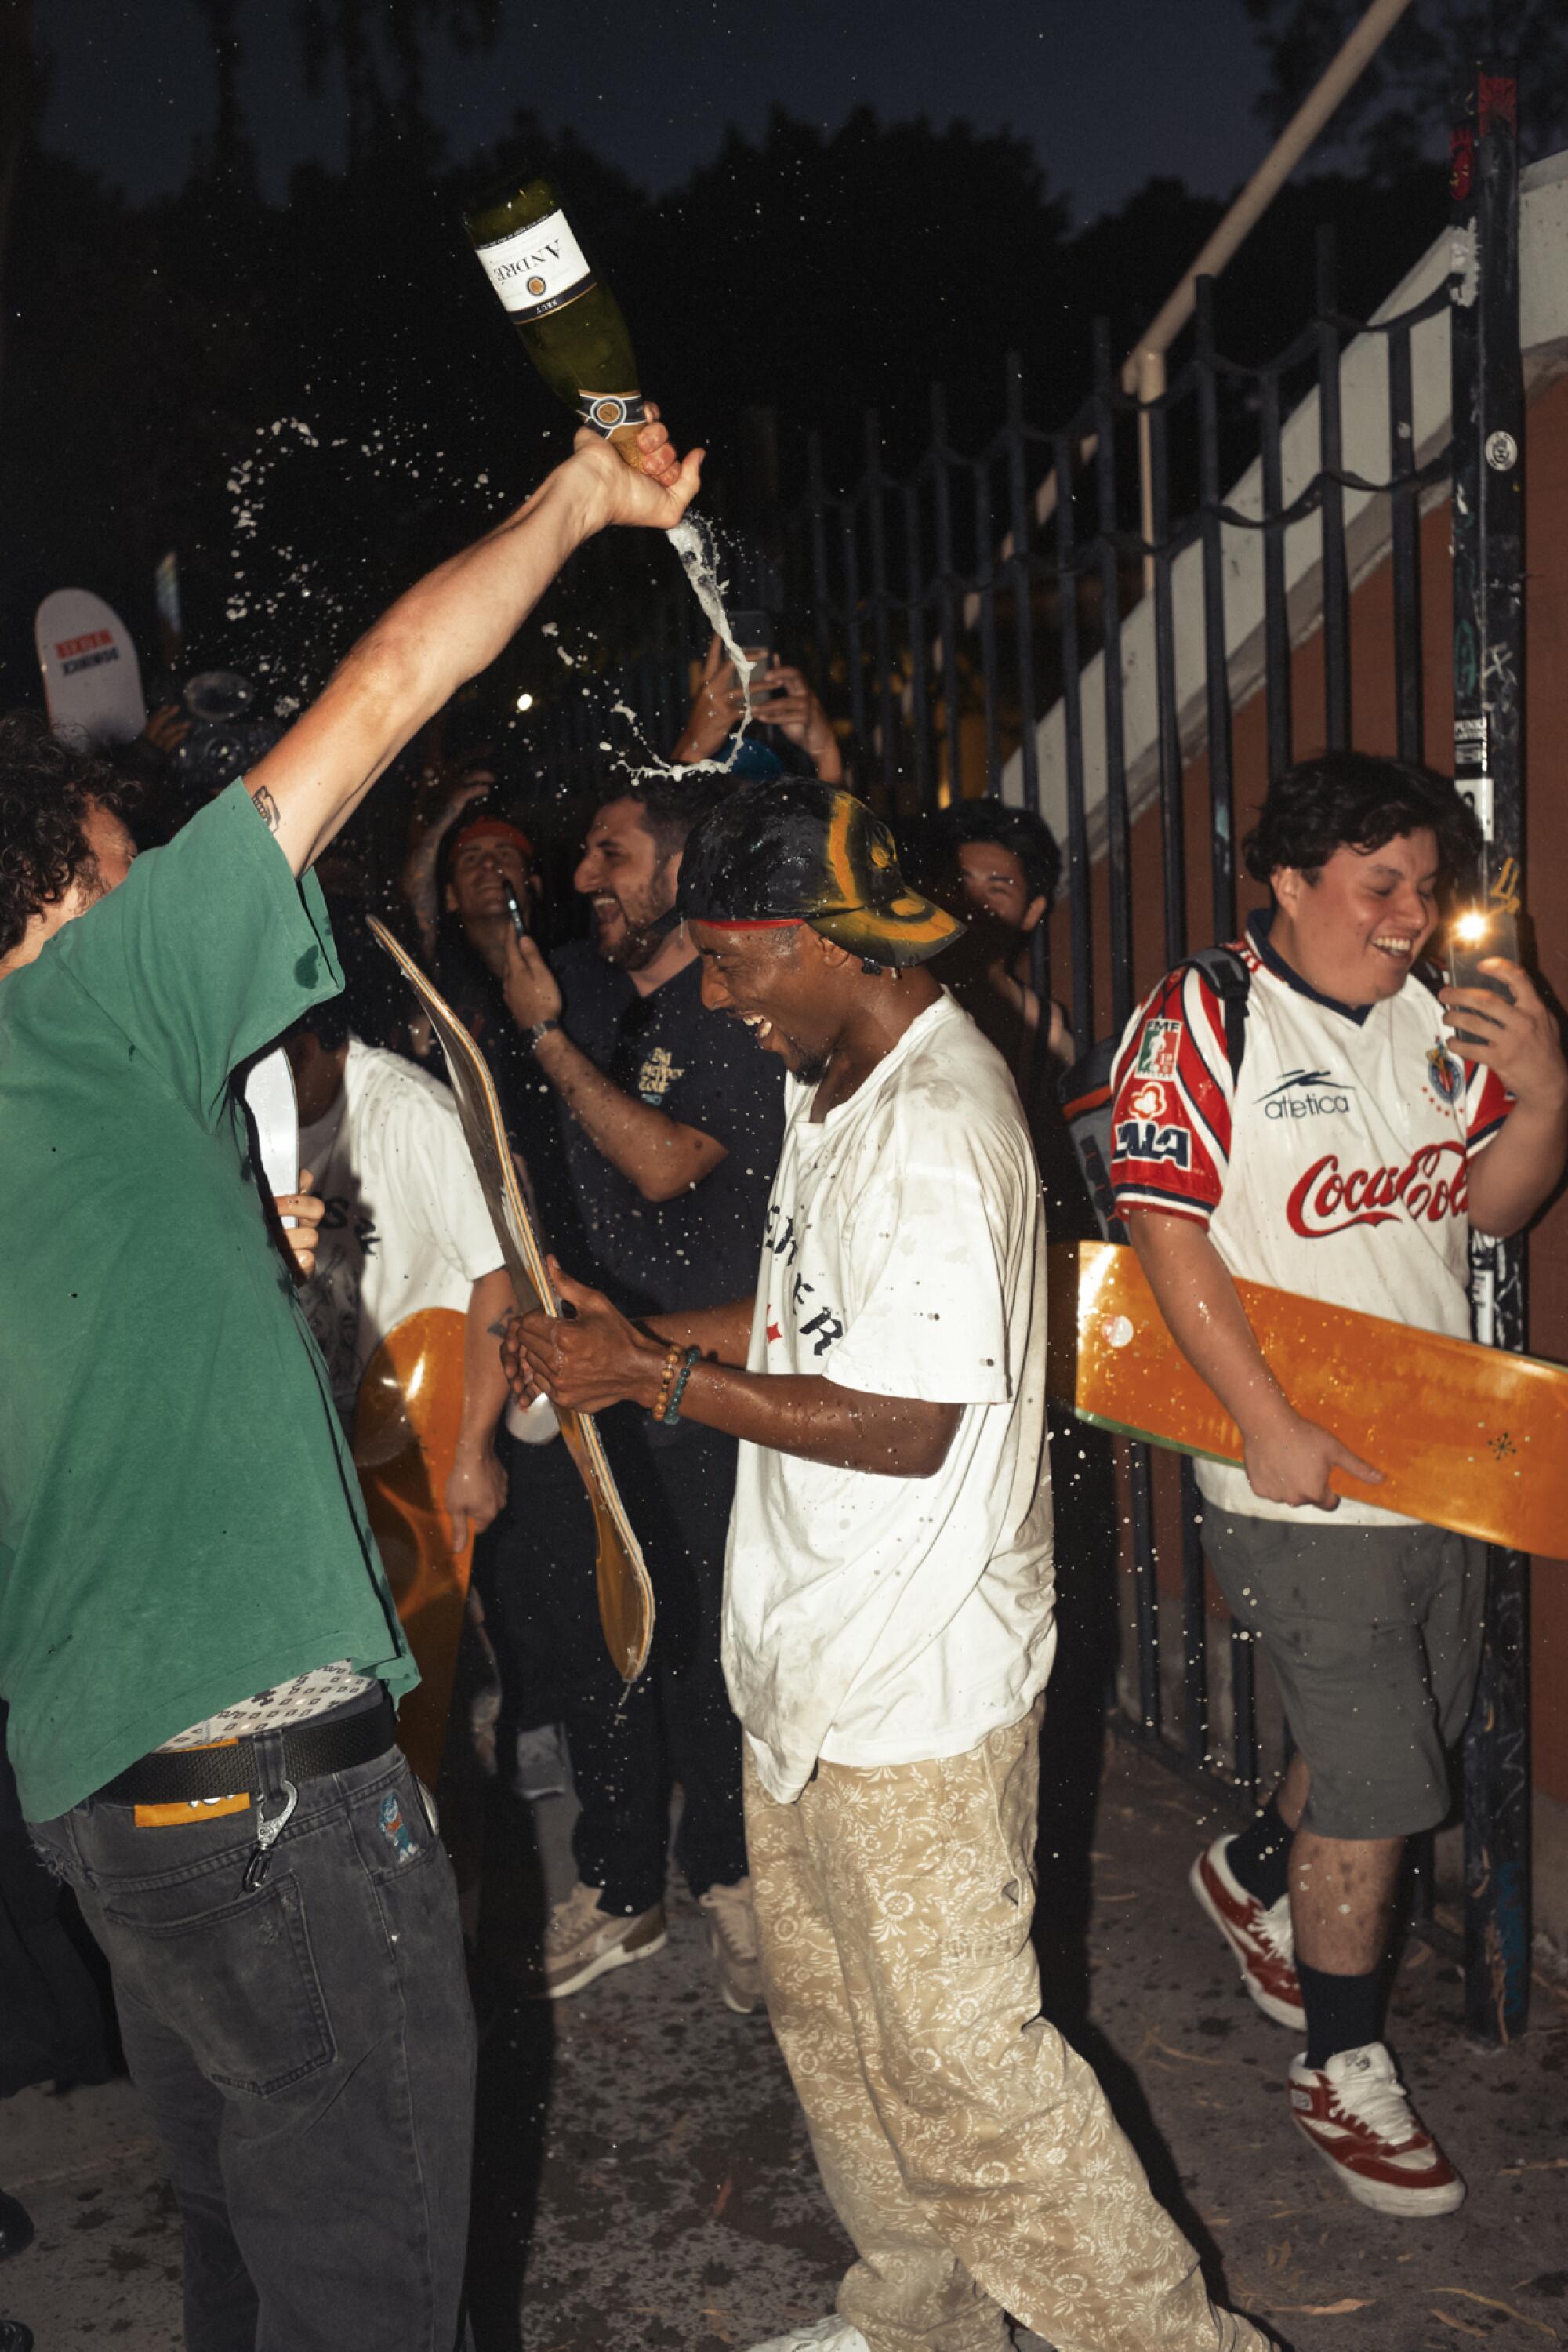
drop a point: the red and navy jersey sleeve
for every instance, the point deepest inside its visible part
(1172, 1093)
(1488, 1103)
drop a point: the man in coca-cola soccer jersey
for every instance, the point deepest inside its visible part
(1347, 1160)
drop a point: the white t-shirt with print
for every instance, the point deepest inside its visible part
(876, 1620)
(1336, 1167)
(405, 1224)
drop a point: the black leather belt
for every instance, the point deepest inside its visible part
(303, 1752)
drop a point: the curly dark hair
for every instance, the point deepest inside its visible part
(1354, 800)
(1028, 836)
(673, 805)
(47, 788)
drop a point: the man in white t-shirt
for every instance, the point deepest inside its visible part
(888, 1610)
(1337, 1148)
(405, 1227)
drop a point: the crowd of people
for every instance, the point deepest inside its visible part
(788, 1116)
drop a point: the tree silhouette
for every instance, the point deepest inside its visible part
(1398, 109)
(379, 44)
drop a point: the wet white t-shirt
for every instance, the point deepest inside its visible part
(877, 1619)
(405, 1224)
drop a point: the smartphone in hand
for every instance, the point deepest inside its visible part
(1474, 936)
(753, 633)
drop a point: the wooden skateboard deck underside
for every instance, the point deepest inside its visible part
(626, 1594)
(407, 1419)
(1466, 1437)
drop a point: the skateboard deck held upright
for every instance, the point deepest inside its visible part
(626, 1594)
(1466, 1437)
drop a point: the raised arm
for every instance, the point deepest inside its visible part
(663, 1157)
(1288, 1458)
(447, 628)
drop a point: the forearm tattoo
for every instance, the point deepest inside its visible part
(266, 807)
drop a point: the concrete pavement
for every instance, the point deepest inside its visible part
(644, 2179)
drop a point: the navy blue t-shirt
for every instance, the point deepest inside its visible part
(702, 1069)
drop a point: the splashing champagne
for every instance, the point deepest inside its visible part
(571, 328)
(569, 321)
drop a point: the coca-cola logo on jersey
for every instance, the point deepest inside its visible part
(1431, 1186)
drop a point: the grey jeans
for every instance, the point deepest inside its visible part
(305, 2049)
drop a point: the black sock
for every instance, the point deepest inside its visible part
(1342, 2013)
(1260, 1856)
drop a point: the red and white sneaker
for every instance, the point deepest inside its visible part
(1357, 2113)
(1261, 1938)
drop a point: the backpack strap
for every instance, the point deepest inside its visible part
(1225, 969)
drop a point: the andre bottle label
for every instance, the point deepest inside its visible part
(537, 270)
(608, 412)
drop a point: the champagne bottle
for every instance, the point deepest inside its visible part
(570, 322)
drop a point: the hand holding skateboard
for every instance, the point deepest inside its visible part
(582, 1361)
(1289, 1459)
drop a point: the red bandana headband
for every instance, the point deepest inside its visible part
(748, 922)
(500, 827)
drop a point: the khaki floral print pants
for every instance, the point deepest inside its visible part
(968, 2151)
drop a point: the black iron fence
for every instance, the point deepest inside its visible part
(984, 623)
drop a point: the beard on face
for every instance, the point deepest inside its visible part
(636, 947)
(639, 941)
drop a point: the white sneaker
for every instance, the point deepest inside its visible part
(581, 1942)
(1357, 2113)
(733, 1940)
(831, 2334)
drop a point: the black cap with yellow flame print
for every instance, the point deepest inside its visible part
(804, 852)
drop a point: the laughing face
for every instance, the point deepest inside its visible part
(1355, 932)
(778, 982)
(629, 887)
(481, 872)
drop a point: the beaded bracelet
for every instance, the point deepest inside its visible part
(672, 1360)
(672, 1409)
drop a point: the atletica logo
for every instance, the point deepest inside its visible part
(1306, 1094)
(1324, 1202)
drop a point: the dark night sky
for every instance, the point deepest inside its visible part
(1110, 91)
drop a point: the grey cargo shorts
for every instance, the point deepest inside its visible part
(1375, 1637)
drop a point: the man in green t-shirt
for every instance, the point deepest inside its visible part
(196, 1639)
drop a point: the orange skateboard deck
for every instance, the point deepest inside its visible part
(626, 1594)
(1466, 1437)
(407, 1418)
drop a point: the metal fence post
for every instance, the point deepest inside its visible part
(1222, 855)
(1489, 683)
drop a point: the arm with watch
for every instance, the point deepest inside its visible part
(660, 1155)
